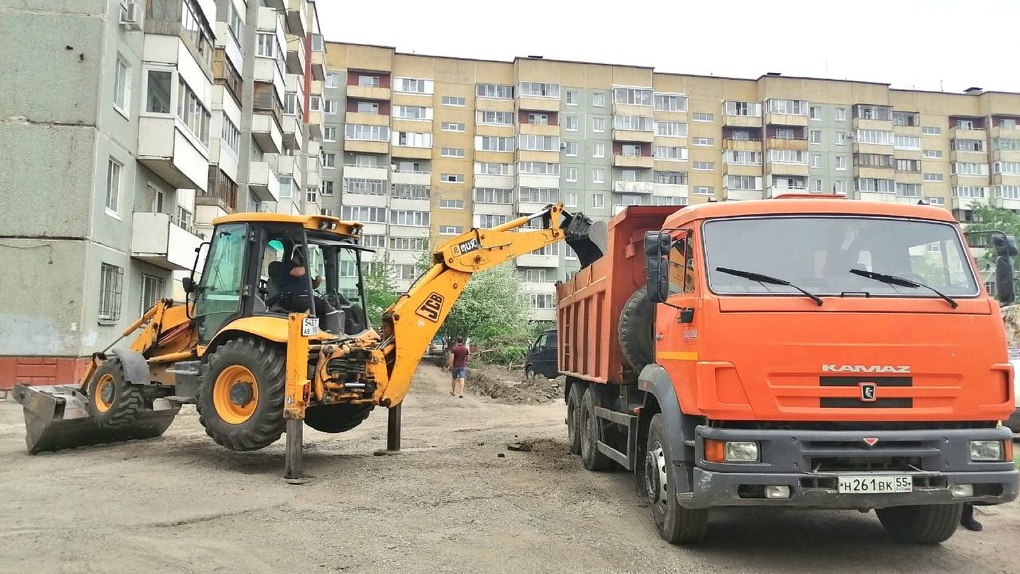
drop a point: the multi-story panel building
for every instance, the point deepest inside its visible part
(477, 143)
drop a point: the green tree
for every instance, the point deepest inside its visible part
(990, 218)
(380, 289)
(493, 312)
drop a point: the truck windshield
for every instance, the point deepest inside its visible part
(817, 254)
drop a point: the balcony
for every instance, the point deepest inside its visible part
(315, 131)
(297, 21)
(399, 151)
(176, 156)
(621, 186)
(363, 172)
(887, 197)
(496, 181)
(741, 194)
(670, 189)
(874, 172)
(413, 177)
(293, 137)
(774, 191)
(742, 145)
(313, 173)
(968, 156)
(267, 133)
(267, 71)
(873, 124)
(968, 134)
(1006, 202)
(156, 239)
(736, 121)
(537, 104)
(295, 54)
(366, 119)
(369, 146)
(778, 119)
(532, 260)
(540, 156)
(262, 179)
(741, 169)
(795, 169)
(873, 148)
(642, 161)
(969, 202)
(367, 92)
(1000, 132)
(788, 143)
(318, 65)
(633, 136)
(538, 180)
(1006, 155)
(539, 129)
(289, 166)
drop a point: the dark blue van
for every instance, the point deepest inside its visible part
(542, 358)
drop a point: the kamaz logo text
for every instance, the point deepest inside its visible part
(865, 369)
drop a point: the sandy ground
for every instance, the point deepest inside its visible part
(454, 500)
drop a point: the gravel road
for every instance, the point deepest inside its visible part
(454, 500)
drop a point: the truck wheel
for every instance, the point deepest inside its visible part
(240, 403)
(336, 418)
(929, 524)
(573, 412)
(590, 456)
(676, 524)
(634, 330)
(113, 401)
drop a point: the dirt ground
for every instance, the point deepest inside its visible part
(456, 499)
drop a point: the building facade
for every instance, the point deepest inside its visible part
(421, 148)
(128, 125)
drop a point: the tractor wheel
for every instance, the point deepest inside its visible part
(336, 418)
(113, 401)
(634, 330)
(240, 403)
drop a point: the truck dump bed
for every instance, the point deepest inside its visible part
(589, 304)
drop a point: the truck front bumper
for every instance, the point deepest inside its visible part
(809, 464)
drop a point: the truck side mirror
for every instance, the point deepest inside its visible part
(1006, 249)
(656, 265)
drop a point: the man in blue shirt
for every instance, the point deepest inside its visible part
(295, 287)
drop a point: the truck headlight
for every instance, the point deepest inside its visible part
(986, 450)
(731, 451)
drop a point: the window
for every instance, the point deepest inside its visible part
(931, 130)
(840, 186)
(703, 117)
(633, 96)
(598, 201)
(962, 168)
(451, 204)
(317, 43)
(598, 100)
(598, 175)
(598, 149)
(493, 195)
(328, 186)
(872, 185)
(453, 127)
(361, 186)
(742, 157)
(908, 165)
(192, 112)
(329, 160)
(153, 289)
(452, 152)
(454, 101)
(840, 138)
(816, 185)
(785, 134)
(543, 301)
(670, 103)
(366, 132)
(598, 125)
(488, 168)
(539, 194)
(412, 139)
(907, 142)
(329, 134)
(703, 142)
(121, 86)
(495, 118)
(452, 178)
(535, 275)
(908, 189)
(671, 129)
(933, 177)
(788, 107)
(841, 162)
(965, 145)
(815, 113)
(570, 123)
(412, 85)
(314, 104)
(538, 143)
(490, 221)
(932, 154)
(840, 114)
(412, 112)
(572, 97)
(332, 80)
(409, 218)
(157, 92)
(538, 119)
(371, 108)
(1006, 167)
(905, 119)
(704, 166)
(879, 137)
(230, 134)
(971, 191)
(286, 183)
(450, 229)
(816, 161)
(538, 168)
(1004, 144)
(539, 90)
(630, 150)
(368, 81)
(494, 143)
(113, 185)
(571, 149)
(410, 191)
(743, 182)
(570, 198)
(364, 213)
(747, 109)
(495, 91)
(1007, 191)
(407, 243)
(704, 190)
(671, 177)
(815, 136)
(674, 153)
(111, 284)
(327, 211)
(570, 174)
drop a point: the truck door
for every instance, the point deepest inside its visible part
(676, 324)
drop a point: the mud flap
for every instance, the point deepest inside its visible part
(57, 417)
(588, 239)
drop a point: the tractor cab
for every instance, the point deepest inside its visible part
(269, 265)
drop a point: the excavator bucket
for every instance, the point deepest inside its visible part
(57, 417)
(587, 238)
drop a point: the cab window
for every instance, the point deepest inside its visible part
(681, 267)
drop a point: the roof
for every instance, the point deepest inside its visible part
(832, 205)
(310, 222)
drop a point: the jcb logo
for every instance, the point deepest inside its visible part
(431, 307)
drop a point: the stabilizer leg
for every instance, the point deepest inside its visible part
(294, 463)
(392, 432)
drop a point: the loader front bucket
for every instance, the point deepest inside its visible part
(57, 417)
(587, 238)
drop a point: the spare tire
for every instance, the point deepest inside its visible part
(635, 330)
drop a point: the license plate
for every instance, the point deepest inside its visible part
(869, 484)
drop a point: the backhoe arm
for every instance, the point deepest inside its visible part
(411, 323)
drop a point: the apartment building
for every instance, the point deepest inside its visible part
(424, 147)
(128, 125)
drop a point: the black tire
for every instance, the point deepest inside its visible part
(929, 524)
(573, 414)
(336, 418)
(588, 426)
(635, 330)
(115, 402)
(266, 362)
(529, 372)
(676, 524)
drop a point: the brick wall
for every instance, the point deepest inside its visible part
(41, 370)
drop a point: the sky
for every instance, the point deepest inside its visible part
(940, 45)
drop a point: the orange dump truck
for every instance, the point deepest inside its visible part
(794, 352)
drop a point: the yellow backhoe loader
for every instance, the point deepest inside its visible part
(274, 335)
